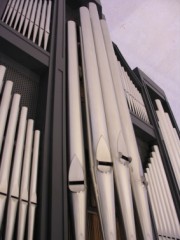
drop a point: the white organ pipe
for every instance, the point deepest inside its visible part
(153, 203)
(128, 90)
(31, 220)
(19, 12)
(168, 146)
(78, 192)
(156, 201)
(176, 136)
(22, 215)
(34, 170)
(161, 197)
(14, 12)
(136, 172)
(10, 11)
(102, 174)
(142, 102)
(2, 207)
(133, 92)
(6, 10)
(37, 20)
(23, 14)
(11, 217)
(18, 155)
(164, 197)
(167, 189)
(125, 89)
(27, 161)
(2, 74)
(32, 18)
(27, 17)
(47, 25)
(116, 138)
(9, 144)
(4, 107)
(165, 231)
(42, 22)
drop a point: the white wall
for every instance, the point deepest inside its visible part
(147, 33)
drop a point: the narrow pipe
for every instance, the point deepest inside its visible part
(47, 25)
(14, 12)
(2, 207)
(136, 171)
(18, 155)
(27, 17)
(27, 162)
(6, 10)
(31, 221)
(10, 11)
(22, 215)
(2, 74)
(23, 14)
(34, 169)
(37, 20)
(42, 23)
(11, 218)
(19, 12)
(78, 192)
(4, 107)
(102, 174)
(116, 138)
(9, 144)
(32, 18)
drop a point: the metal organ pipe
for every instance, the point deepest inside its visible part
(14, 12)
(37, 20)
(47, 25)
(117, 145)
(136, 171)
(6, 10)
(24, 11)
(101, 161)
(2, 74)
(32, 18)
(19, 12)
(10, 10)
(42, 23)
(77, 178)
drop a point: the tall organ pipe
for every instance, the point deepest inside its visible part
(77, 178)
(4, 107)
(42, 23)
(47, 25)
(9, 144)
(24, 11)
(139, 189)
(32, 18)
(2, 74)
(14, 12)
(37, 20)
(6, 10)
(101, 162)
(116, 138)
(19, 11)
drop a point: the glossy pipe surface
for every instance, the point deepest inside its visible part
(136, 171)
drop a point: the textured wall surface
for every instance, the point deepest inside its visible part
(147, 33)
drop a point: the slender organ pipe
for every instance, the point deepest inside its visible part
(47, 25)
(37, 20)
(2, 207)
(42, 23)
(100, 157)
(117, 145)
(139, 189)
(23, 14)
(27, 18)
(32, 18)
(14, 12)
(19, 12)
(9, 144)
(2, 74)
(10, 11)
(6, 10)
(77, 178)
(4, 107)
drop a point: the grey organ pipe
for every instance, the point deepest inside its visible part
(42, 23)
(100, 160)
(27, 18)
(47, 25)
(9, 144)
(31, 221)
(23, 14)
(4, 107)
(77, 176)
(10, 11)
(32, 18)
(19, 12)
(139, 189)
(37, 20)
(22, 215)
(117, 145)
(14, 12)
(6, 10)
(2, 74)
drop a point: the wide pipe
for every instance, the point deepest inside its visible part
(18, 155)
(27, 162)
(139, 190)
(9, 144)
(78, 193)
(2, 74)
(117, 144)
(4, 107)
(102, 174)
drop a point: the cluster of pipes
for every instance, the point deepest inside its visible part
(113, 151)
(19, 149)
(161, 199)
(134, 97)
(31, 18)
(171, 139)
